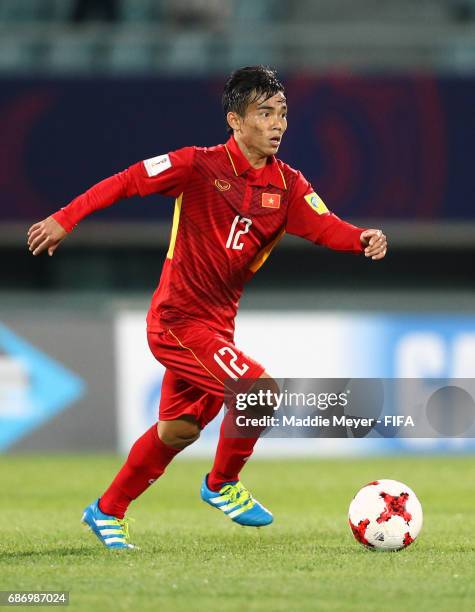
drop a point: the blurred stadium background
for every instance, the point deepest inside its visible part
(381, 99)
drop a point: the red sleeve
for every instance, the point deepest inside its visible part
(164, 174)
(309, 218)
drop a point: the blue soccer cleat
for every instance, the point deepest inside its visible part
(237, 502)
(111, 531)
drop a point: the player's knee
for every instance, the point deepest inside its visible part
(177, 440)
(268, 390)
(268, 382)
(178, 434)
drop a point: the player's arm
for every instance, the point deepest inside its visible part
(165, 174)
(309, 218)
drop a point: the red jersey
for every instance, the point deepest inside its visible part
(228, 217)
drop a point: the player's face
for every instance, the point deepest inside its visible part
(263, 125)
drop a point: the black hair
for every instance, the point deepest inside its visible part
(245, 86)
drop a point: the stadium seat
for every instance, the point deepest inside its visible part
(245, 52)
(459, 55)
(71, 51)
(16, 54)
(189, 51)
(20, 10)
(261, 12)
(139, 10)
(369, 10)
(129, 55)
(30, 11)
(60, 10)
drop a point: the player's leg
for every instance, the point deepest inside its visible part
(215, 363)
(208, 360)
(222, 486)
(233, 452)
(146, 462)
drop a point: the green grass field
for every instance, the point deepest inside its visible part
(192, 557)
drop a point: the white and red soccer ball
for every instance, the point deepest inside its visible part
(385, 515)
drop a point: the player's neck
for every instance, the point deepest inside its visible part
(256, 159)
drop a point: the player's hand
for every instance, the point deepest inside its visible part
(45, 235)
(375, 243)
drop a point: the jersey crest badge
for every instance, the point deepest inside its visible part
(270, 200)
(222, 185)
(315, 202)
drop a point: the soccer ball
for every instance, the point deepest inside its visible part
(385, 515)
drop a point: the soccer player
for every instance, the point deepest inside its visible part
(234, 202)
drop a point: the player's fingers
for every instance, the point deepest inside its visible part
(376, 245)
(38, 239)
(52, 249)
(378, 237)
(379, 255)
(34, 235)
(373, 234)
(35, 227)
(375, 252)
(369, 251)
(41, 247)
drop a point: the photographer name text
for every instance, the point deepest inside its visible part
(398, 420)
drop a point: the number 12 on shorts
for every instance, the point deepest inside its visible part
(232, 368)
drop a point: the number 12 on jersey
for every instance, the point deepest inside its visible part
(240, 226)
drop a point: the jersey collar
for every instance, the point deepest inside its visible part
(271, 174)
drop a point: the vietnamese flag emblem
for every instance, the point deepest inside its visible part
(271, 200)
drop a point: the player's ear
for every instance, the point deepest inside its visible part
(234, 121)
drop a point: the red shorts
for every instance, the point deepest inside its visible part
(198, 363)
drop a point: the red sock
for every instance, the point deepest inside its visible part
(146, 462)
(231, 455)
